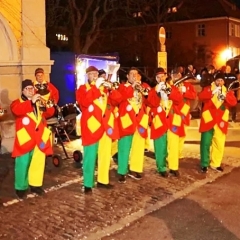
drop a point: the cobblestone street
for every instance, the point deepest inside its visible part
(66, 213)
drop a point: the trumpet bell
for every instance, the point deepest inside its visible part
(2, 112)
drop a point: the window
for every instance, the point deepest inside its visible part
(137, 14)
(231, 29)
(201, 31)
(169, 33)
(234, 30)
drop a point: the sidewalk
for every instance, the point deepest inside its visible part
(66, 213)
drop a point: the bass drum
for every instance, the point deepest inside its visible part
(70, 111)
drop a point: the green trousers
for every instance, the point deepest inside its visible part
(89, 164)
(205, 144)
(29, 169)
(160, 149)
(213, 139)
(124, 147)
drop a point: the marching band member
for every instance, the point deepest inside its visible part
(49, 93)
(162, 99)
(32, 142)
(133, 124)
(96, 126)
(189, 93)
(214, 122)
(176, 130)
(111, 132)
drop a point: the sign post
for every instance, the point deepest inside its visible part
(162, 54)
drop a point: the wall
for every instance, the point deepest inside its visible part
(23, 49)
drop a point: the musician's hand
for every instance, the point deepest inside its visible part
(161, 86)
(99, 82)
(35, 98)
(107, 85)
(183, 89)
(136, 84)
(216, 90)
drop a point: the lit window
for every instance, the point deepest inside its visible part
(137, 14)
(201, 31)
(61, 37)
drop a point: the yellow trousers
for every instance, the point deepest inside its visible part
(137, 153)
(104, 158)
(173, 145)
(218, 143)
(36, 168)
(181, 143)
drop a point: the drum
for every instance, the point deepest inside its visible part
(70, 111)
(52, 121)
(55, 118)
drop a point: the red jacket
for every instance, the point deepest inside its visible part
(132, 112)
(215, 111)
(31, 130)
(190, 94)
(110, 117)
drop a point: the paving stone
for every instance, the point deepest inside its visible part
(66, 213)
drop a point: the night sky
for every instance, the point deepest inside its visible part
(237, 2)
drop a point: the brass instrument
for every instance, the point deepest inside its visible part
(42, 88)
(114, 85)
(141, 89)
(221, 96)
(167, 89)
(46, 103)
(189, 75)
(2, 112)
(232, 84)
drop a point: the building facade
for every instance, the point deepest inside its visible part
(197, 32)
(22, 50)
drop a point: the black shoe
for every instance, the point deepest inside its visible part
(106, 186)
(87, 190)
(175, 173)
(217, 169)
(204, 169)
(21, 194)
(164, 174)
(122, 179)
(135, 175)
(38, 190)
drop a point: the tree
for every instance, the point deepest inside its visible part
(82, 20)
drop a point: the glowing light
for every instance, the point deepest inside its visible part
(226, 54)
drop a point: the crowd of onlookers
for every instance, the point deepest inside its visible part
(206, 76)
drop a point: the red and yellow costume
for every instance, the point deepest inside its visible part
(176, 131)
(189, 95)
(32, 143)
(214, 124)
(159, 124)
(97, 123)
(133, 125)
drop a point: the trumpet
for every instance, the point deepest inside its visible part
(111, 85)
(46, 103)
(141, 89)
(2, 112)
